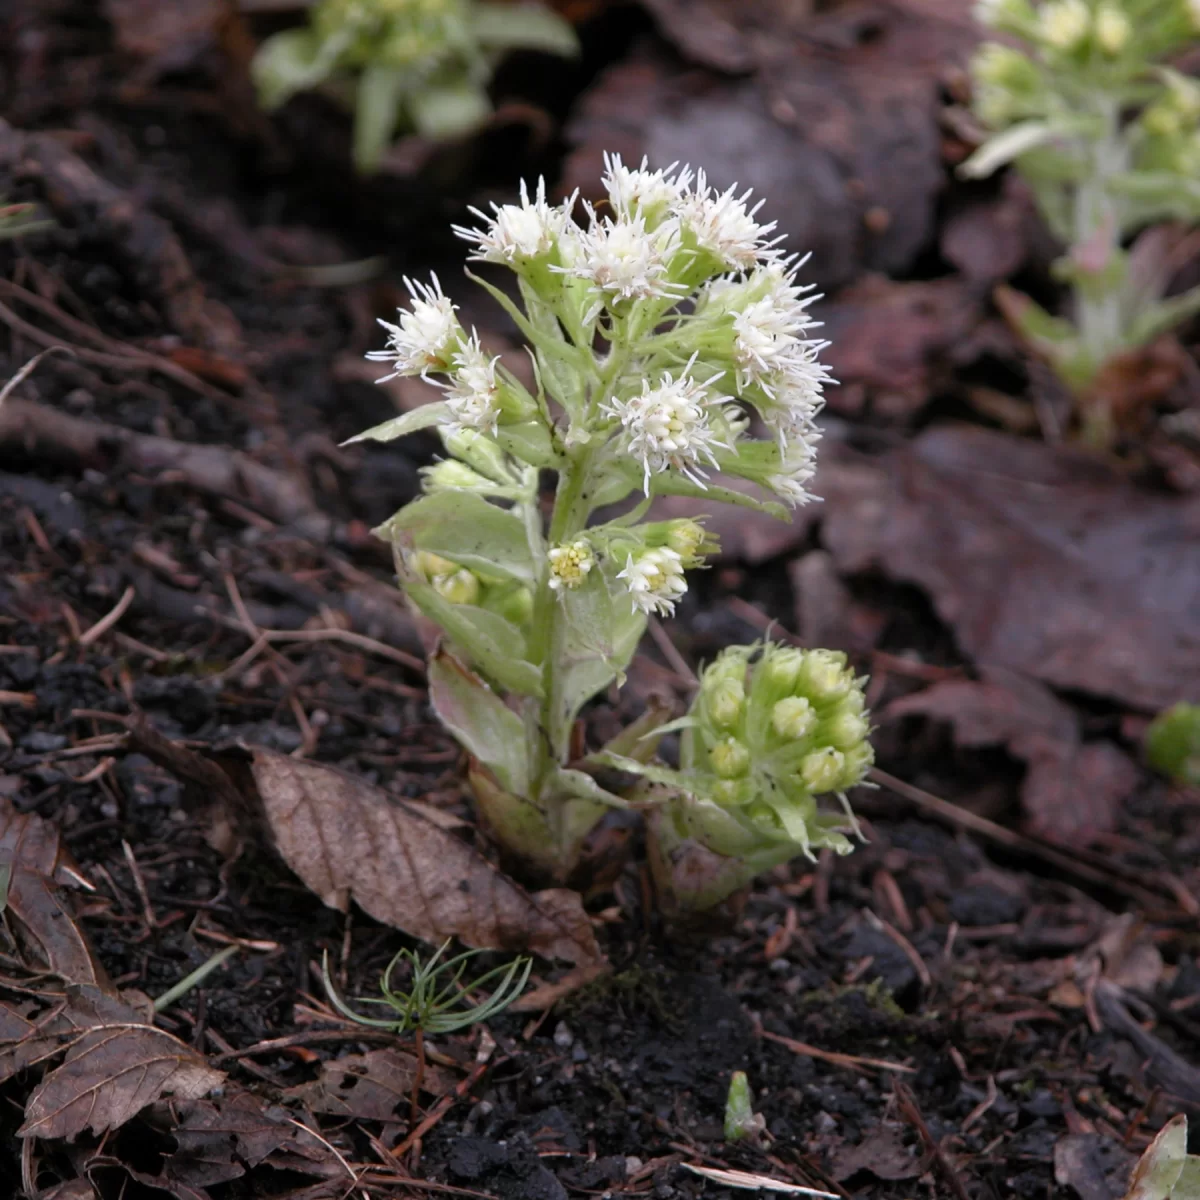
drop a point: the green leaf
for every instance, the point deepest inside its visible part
(376, 113)
(1158, 1170)
(468, 530)
(448, 110)
(1004, 147)
(557, 346)
(1164, 316)
(524, 27)
(481, 721)
(530, 442)
(582, 786)
(495, 646)
(677, 485)
(410, 422)
(290, 62)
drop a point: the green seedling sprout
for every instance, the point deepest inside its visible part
(741, 1121)
(673, 355)
(433, 1002)
(1080, 96)
(404, 65)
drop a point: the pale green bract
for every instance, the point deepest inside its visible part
(659, 330)
(1108, 139)
(405, 65)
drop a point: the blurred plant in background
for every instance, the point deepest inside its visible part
(659, 331)
(1108, 138)
(419, 65)
(1173, 743)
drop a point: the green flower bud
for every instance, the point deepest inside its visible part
(1112, 29)
(824, 677)
(823, 770)
(793, 718)
(857, 760)
(844, 730)
(453, 475)
(432, 566)
(729, 759)
(479, 451)
(780, 668)
(460, 588)
(691, 541)
(1063, 24)
(724, 701)
(1173, 743)
(731, 793)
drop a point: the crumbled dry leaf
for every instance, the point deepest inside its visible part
(369, 1086)
(109, 1076)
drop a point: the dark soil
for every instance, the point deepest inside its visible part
(968, 963)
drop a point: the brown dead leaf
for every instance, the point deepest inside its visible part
(1040, 559)
(893, 338)
(837, 126)
(988, 240)
(109, 1076)
(369, 1086)
(349, 841)
(170, 35)
(883, 1154)
(1091, 1166)
(1071, 791)
(38, 865)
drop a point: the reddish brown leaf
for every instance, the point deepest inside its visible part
(883, 1154)
(349, 841)
(1041, 560)
(109, 1076)
(369, 1086)
(37, 865)
(1072, 791)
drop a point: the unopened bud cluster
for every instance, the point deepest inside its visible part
(791, 722)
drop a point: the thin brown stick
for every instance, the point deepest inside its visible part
(962, 819)
(414, 1107)
(853, 1061)
(912, 1114)
(102, 626)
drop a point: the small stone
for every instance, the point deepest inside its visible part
(564, 1039)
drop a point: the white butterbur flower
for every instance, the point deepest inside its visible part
(570, 564)
(471, 392)
(668, 425)
(722, 225)
(624, 260)
(632, 191)
(519, 232)
(1065, 23)
(426, 335)
(655, 580)
(797, 469)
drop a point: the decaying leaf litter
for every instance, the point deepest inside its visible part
(997, 995)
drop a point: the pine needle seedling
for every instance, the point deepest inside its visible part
(434, 1000)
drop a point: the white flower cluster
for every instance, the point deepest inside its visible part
(426, 335)
(655, 580)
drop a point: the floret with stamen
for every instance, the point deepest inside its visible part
(655, 580)
(724, 227)
(639, 190)
(668, 425)
(426, 335)
(472, 391)
(519, 232)
(624, 260)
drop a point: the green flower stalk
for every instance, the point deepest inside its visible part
(659, 329)
(1108, 138)
(421, 65)
(771, 729)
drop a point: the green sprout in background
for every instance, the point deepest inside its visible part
(673, 355)
(741, 1121)
(1107, 135)
(1173, 743)
(405, 65)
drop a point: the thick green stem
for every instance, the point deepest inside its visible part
(1097, 302)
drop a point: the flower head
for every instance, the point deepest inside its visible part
(570, 564)
(624, 259)
(472, 390)
(655, 580)
(668, 425)
(1113, 29)
(519, 232)
(650, 194)
(797, 468)
(722, 225)
(426, 335)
